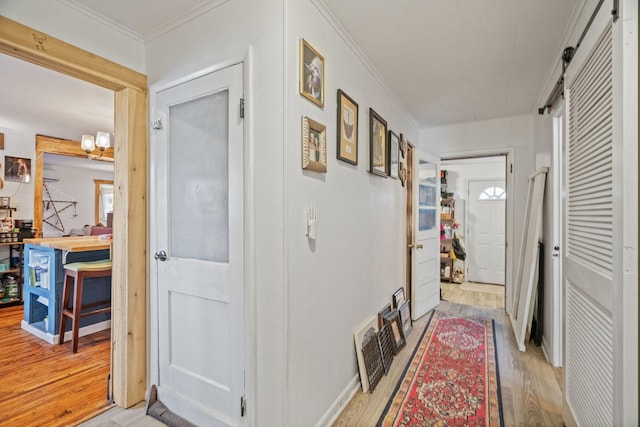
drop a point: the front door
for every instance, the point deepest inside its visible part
(197, 190)
(486, 235)
(425, 256)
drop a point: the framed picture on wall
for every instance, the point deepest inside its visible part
(17, 169)
(377, 144)
(311, 73)
(314, 145)
(393, 154)
(403, 146)
(347, 129)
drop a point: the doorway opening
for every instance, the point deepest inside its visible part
(473, 230)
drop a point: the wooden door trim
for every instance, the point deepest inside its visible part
(129, 282)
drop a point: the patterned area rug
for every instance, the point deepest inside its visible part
(452, 378)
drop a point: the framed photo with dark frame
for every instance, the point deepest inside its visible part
(347, 129)
(311, 73)
(398, 298)
(314, 145)
(392, 320)
(393, 155)
(405, 319)
(378, 160)
(386, 309)
(17, 169)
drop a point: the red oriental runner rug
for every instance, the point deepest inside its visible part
(452, 378)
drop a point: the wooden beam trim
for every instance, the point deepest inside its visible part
(38, 48)
(129, 326)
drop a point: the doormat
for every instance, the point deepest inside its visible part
(452, 378)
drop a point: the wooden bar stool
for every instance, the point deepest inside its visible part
(78, 271)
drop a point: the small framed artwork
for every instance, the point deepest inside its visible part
(311, 73)
(398, 298)
(347, 129)
(403, 174)
(17, 169)
(403, 146)
(405, 319)
(392, 320)
(378, 160)
(386, 309)
(393, 155)
(314, 145)
(1, 141)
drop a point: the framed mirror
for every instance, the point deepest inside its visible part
(103, 200)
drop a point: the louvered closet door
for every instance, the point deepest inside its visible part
(590, 228)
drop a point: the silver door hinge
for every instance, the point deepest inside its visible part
(242, 108)
(157, 124)
(243, 406)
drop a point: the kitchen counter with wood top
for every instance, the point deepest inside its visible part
(72, 243)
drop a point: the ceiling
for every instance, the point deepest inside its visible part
(446, 61)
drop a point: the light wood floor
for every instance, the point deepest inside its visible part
(474, 294)
(530, 387)
(47, 385)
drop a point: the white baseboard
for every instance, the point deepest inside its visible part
(340, 403)
(53, 339)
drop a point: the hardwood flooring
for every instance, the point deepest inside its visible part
(47, 385)
(530, 387)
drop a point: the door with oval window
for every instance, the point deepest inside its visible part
(486, 232)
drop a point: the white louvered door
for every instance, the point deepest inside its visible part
(589, 261)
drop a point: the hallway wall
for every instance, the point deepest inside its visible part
(358, 259)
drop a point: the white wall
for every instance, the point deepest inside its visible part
(228, 33)
(68, 24)
(18, 143)
(514, 134)
(358, 259)
(75, 184)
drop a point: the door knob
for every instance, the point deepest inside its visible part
(162, 256)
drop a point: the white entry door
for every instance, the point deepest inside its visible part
(197, 187)
(425, 257)
(486, 231)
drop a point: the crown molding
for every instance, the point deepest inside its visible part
(73, 4)
(179, 20)
(342, 32)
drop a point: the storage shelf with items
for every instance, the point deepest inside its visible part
(11, 249)
(450, 270)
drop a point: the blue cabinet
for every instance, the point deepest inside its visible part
(43, 282)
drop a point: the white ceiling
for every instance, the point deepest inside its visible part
(447, 61)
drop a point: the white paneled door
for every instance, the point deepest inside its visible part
(486, 231)
(197, 191)
(425, 256)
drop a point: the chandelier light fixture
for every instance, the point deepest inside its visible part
(102, 141)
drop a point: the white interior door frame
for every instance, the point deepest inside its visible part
(250, 321)
(509, 153)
